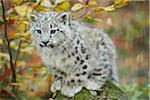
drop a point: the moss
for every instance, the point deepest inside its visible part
(109, 92)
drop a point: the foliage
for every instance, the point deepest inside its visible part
(32, 78)
(135, 93)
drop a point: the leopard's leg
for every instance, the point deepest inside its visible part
(58, 77)
(71, 86)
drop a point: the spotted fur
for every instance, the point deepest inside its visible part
(78, 55)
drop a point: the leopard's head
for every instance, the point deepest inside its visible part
(49, 29)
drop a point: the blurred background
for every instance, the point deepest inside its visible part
(127, 23)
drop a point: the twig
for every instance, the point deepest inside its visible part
(18, 51)
(86, 9)
(8, 45)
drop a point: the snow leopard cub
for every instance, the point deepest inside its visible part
(76, 54)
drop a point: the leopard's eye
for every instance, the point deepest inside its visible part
(52, 31)
(38, 31)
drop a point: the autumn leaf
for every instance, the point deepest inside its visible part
(77, 7)
(27, 50)
(13, 45)
(34, 60)
(63, 6)
(120, 3)
(20, 64)
(23, 10)
(11, 34)
(81, 1)
(22, 27)
(8, 22)
(4, 56)
(100, 9)
(47, 3)
(4, 73)
(92, 3)
(1, 41)
(17, 1)
(16, 84)
(117, 4)
(24, 36)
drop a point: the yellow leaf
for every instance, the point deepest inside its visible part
(13, 45)
(63, 6)
(47, 3)
(23, 10)
(4, 55)
(40, 8)
(17, 1)
(109, 8)
(22, 27)
(20, 63)
(27, 50)
(100, 9)
(80, 1)
(1, 41)
(92, 3)
(77, 7)
(120, 3)
(13, 16)
(56, 2)
(22, 34)
(16, 84)
(117, 4)
(28, 77)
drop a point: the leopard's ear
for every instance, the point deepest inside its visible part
(63, 18)
(33, 17)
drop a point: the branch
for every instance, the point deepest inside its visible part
(18, 51)
(8, 45)
(86, 9)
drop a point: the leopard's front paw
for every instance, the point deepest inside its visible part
(56, 86)
(70, 91)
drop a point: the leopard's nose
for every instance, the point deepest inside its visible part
(45, 42)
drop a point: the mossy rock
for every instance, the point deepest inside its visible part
(109, 92)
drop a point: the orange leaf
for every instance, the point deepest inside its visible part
(34, 60)
(8, 23)
(5, 74)
(11, 34)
